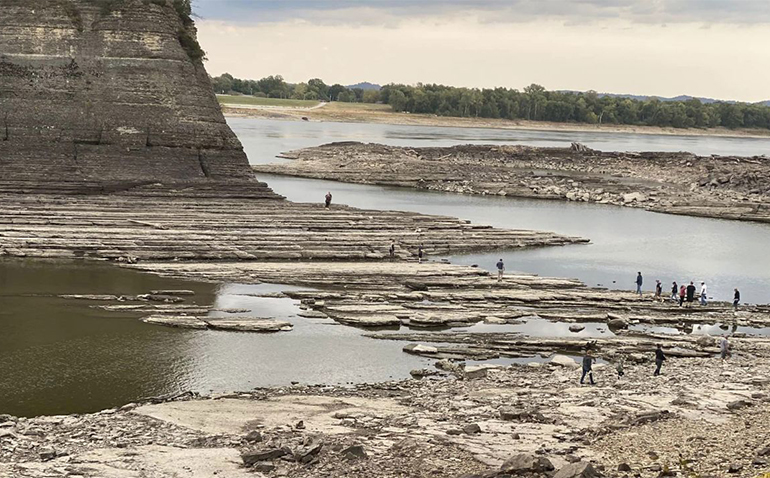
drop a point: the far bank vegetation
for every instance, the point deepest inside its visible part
(533, 103)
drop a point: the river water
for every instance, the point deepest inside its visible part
(724, 254)
(69, 356)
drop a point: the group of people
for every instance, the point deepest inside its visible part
(660, 357)
(684, 294)
(420, 251)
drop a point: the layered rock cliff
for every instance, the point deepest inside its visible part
(109, 91)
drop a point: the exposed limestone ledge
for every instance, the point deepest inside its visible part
(679, 183)
(702, 416)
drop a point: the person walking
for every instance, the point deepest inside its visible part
(392, 249)
(659, 358)
(658, 290)
(724, 348)
(419, 253)
(690, 294)
(675, 292)
(703, 293)
(682, 294)
(588, 361)
(500, 270)
(328, 200)
(620, 365)
(639, 282)
(736, 299)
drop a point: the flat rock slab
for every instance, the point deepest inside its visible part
(238, 324)
(319, 414)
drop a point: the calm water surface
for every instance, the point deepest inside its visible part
(67, 356)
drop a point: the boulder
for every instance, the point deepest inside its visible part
(581, 469)
(563, 361)
(576, 328)
(472, 429)
(252, 457)
(525, 463)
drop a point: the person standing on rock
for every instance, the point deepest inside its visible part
(328, 200)
(659, 358)
(500, 270)
(675, 292)
(588, 361)
(392, 249)
(639, 282)
(703, 293)
(736, 299)
(690, 294)
(658, 290)
(419, 254)
(724, 348)
(682, 294)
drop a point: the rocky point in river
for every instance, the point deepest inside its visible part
(102, 95)
(679, 183)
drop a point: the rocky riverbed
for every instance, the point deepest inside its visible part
(701, 417)
(677, 183)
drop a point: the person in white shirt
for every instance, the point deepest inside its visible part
(703, 293)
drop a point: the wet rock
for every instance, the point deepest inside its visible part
(576, 328)
(174, 292)
(524, 463)
(170, 299)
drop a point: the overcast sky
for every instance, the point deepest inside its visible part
(712, 48)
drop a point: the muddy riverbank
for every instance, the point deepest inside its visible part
(678, 183)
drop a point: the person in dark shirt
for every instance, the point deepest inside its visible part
(500, 270)
(419, 254)
(588, 361)
(392, 249)
(736, 299)
(690, 294)
(658, 290)
(675, 292)
(328, 200)
(639, 282)
(659, 358)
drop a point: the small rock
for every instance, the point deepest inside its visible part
(253, 436)
(576, 328)
(47, 453)
(300, 425)
(738, 404)
(624, 467)
(354, 452)
(471, 429)
(735, 468)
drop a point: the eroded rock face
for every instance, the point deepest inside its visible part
(108, 92)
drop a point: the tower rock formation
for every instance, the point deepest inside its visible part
(110, 92)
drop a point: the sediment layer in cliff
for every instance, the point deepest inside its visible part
(108, 92)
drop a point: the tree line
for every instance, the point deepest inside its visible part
(533, 103)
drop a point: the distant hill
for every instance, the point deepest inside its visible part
(365, 86)
(705, 101)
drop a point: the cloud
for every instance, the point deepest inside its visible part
(390, 12)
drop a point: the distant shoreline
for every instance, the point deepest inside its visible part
(381, 114)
